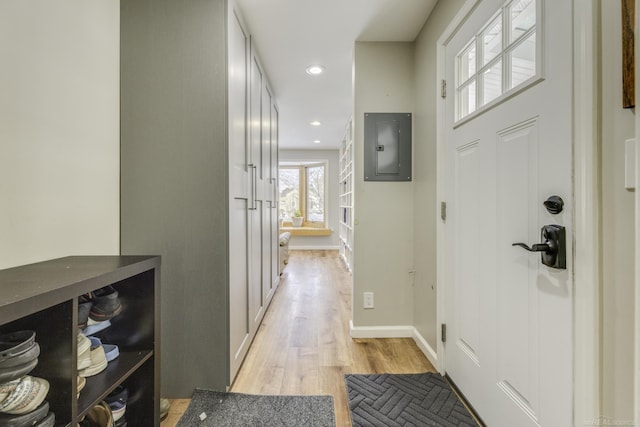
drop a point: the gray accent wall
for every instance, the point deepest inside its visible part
(174, 177)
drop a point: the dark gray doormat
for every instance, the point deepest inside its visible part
(237, 409)
(404, 400)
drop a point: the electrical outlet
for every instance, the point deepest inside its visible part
(368, 300)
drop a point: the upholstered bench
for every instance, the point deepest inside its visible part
(284, 249)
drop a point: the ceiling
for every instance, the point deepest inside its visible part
(291, 35)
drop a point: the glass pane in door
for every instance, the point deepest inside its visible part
(523, 61)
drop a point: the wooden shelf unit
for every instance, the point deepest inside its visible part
(43, 297)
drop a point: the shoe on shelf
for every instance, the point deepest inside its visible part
(15, 343)
(23, 395)
(106, 304)
(165, 405)
(111, 351)
(48, 421)
(23, 358)
(84, 308)
(80, 383)
(98, 359)
(28, 419)
(100, 416)
(18, 355)
(16, 372)
(118, 413)
(84, 348)
(94, 327)
(117, 401)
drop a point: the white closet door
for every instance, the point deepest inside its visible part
(275, 230)
(256, 297)
(267, 209)
(239, 190)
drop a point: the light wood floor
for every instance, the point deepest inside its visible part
(303, 345)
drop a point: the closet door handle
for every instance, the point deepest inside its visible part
(255, 187)
(275, 193)
(253, 205)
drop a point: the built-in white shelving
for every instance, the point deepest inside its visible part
(346, 197)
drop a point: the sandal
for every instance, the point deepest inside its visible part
(23, 395)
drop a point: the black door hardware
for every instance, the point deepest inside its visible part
(554, 204)
(553, 248)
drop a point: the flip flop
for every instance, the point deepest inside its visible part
(23, 395)
(28, 419)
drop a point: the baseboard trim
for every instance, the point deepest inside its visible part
(608, 422)
(380, 331)
(313, 248)
(395, 332)
(423, 345)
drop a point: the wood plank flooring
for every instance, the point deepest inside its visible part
(303, 345)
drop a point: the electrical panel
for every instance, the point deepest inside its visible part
(387, 146)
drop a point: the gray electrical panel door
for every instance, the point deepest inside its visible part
(387, 146)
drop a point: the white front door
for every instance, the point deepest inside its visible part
(508, 139)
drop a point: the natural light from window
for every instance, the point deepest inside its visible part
(302, 192)
(500, 58)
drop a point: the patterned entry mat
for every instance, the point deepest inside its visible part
(388, 400)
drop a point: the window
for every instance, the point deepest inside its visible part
(502, 57)
(302, 190)
(289, 178)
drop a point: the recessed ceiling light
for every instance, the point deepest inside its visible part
(317, 141)
(315, 123)
(314, 70)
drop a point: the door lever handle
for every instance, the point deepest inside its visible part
(538, 247)
(553, 246)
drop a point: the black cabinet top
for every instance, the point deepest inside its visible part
(32, 287)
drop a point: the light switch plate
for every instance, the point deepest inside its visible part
(630, 164)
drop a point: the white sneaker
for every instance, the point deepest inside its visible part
(84, 347)
(98, 359)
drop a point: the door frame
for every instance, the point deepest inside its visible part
(586, 196)
(636, 376)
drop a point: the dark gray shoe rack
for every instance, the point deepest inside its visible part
(44, 297)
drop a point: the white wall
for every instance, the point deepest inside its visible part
(617, 232)
(59, 129)
(332, 157)
(424, 174)
(384, 211)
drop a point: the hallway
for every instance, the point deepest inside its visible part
(303, 345)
